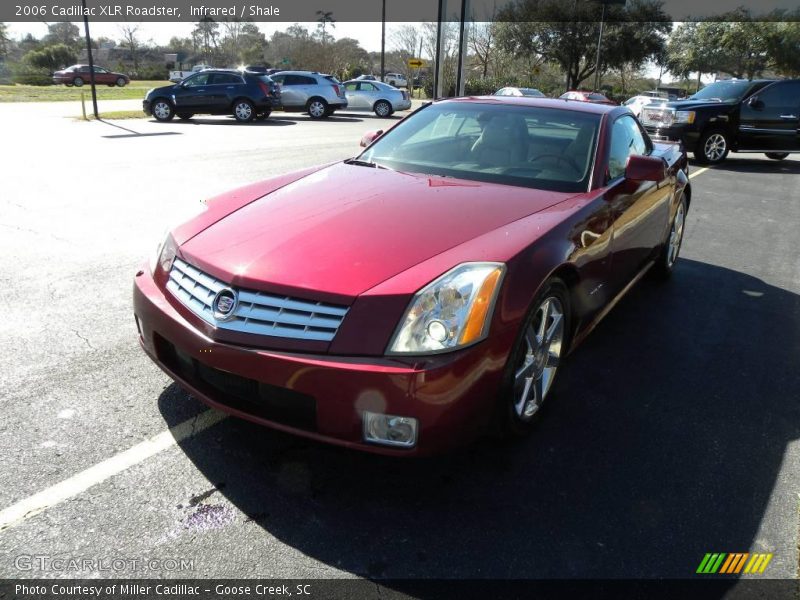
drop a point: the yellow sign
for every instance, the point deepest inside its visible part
(416, 63)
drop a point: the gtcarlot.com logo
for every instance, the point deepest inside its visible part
(722, 563)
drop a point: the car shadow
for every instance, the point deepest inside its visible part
(750, 164)
(662, 441)
(270, 122)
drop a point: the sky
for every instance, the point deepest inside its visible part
(368, 34)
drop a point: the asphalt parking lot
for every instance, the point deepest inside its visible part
(673, 431)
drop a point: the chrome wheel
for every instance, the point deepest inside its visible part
(382, 109)
(243, 111)
(162, 110)
(316, 109)
(77, 82)
(120, 82)
(543, 343)
(715, 147)
(676, 236)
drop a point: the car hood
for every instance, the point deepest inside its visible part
(689, 104)
(167, 89)
(344, 229)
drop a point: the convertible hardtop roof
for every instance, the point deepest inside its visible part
(573, 105)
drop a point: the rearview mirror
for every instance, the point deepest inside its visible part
(645, 168)
(370, 137)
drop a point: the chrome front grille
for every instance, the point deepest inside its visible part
(256, 312)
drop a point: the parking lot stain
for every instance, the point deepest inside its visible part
(209, 516)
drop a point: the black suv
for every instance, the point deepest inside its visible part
(731, 115)
(244, 94)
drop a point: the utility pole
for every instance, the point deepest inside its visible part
(597, 58)
(91, 60)
(383, 39)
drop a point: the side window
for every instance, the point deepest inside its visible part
(100, 70)
(626, 139)
(783, 94)
(303, 80)
(197, 80)
(278, 79)
(83, 70)
(367, 87)
(224, 78)
(351, 87)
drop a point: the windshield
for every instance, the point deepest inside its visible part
(723, 91)
(544, 148)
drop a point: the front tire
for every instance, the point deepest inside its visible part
(243, 111)
(541, 345)
(77, 82)
(672, 245)
(317, 108)
(777, 155)
(712, 147)
(121, 82)
(162, 110)
(383, 109)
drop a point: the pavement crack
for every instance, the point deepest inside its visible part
(85, 339)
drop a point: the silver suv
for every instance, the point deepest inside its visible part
(308, 91)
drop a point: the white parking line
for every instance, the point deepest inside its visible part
(33, 505)
(700, 170)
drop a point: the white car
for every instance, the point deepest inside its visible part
(381, 98)
(636, 103)
(396, 79)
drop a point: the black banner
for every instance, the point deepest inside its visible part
(362, 589)
(342, 10)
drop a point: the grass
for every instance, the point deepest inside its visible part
(115, 115)
(135, 90)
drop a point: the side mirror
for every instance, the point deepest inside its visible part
(370, 137)
(755, 103)
(645, 168)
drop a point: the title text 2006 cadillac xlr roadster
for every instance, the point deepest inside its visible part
(425, 292)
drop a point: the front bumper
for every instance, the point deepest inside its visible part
(402, 105)
(146, 107)
(323, 396)
(687, 135)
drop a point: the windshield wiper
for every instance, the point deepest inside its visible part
(361, 163)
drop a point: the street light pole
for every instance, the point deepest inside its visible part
(597, 57)
(383, 39)
(91, 60)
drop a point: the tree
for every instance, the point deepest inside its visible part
(63, 33)
(325, 18)
(783, 44)
(131, 42)
(205, 37)
(406, 42)
(5, 41)
(566, 34)
(52, 57)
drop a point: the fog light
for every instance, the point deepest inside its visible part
(390, 430)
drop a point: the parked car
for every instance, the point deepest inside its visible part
(367, 78)
(78, 75)
(381, 98)
(636, 103)
(395, 79)
(411, 298)
(317, 94)
(517, 91)
(732, 116)
(587, 97)
(246, 95)
(180, 75)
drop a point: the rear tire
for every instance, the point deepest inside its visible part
(162, 110)
(383, 109)
(777, 155)
(317, 108)
(243, 111)
(540, 347)
(712, 147)
(77, 82)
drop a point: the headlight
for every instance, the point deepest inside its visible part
(164, 254)
(451, 312)
(684, 116)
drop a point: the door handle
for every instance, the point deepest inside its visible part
(788, 117)
(230, 87)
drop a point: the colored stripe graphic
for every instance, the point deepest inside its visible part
(732, 564)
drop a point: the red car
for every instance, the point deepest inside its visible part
(587, 97)
(426, 291)
(78, 75)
